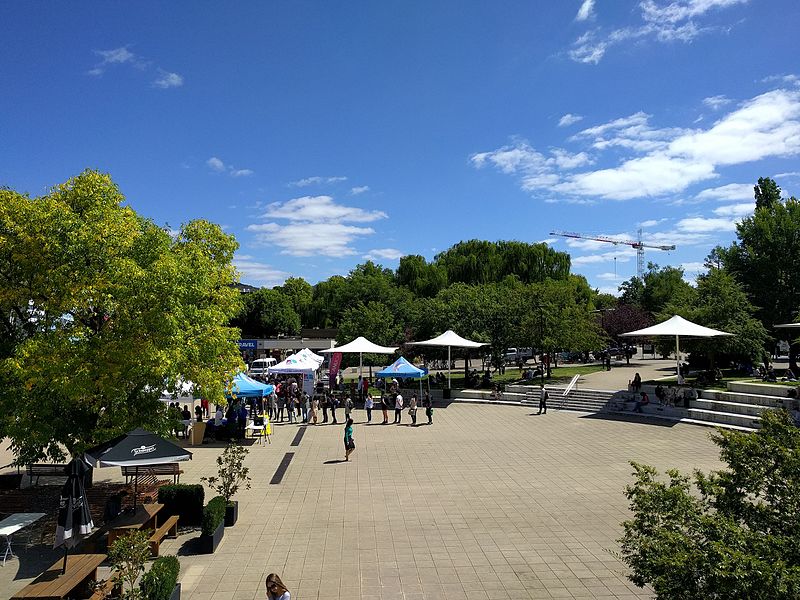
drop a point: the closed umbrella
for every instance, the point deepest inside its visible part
(74, 518)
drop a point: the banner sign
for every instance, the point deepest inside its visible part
(248, 344)
(336, 362)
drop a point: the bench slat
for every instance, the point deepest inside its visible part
(168, 529)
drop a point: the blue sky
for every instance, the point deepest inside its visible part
(324, 133)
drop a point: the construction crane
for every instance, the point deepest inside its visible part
(638, 244)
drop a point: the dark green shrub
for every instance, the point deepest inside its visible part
(160, 580)
(184, 500)
(213, 515)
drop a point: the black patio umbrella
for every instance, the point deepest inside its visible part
(137, 448)
(74, 518)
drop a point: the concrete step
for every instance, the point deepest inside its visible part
(723, 418)
(760, 389)
(739, 408)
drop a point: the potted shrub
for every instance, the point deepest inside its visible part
(184, 500)
(161, 581)
(213, 526)
(128, 554)
(231, 475)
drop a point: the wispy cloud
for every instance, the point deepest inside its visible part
(706, 225)
(317, 181)
(123, 56)
(255, 272)
(743, 209)
(314, 226)
(586, 10)
(167, 80)
(384, 254)
(360, 189)
(716, 102)
(731, 191)
(666, 160)
(676, 20)
(218, 166)
(569, 119)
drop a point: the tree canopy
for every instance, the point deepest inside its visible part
(734, 533)
(101, 310)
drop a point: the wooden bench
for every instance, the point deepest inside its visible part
(165, 469)
(168, 529)
(103, 590)
(46, 470)
(52, 585)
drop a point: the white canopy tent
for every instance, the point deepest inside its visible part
(296, 363)
(360, 346)
(452, 340)
(676, 326)
(306, 353)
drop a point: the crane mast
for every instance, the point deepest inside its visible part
(638, 244)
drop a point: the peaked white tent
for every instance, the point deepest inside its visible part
(306, 353)
(360, 346)
(296, 363)
(452, 340)
(676, 326)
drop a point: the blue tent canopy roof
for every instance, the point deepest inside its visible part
(245, 387)
(401, 368)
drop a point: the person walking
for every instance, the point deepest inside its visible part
(290, 401)
(398, 408)
(385, 407)
(275, 588)
(348, 408)
(334, 406)
(314, 408)
(636, 384)
(368, 407)
(325, 402)
(428, 407)
(306, 406)
(543, 397)
(349, 443)
(412, 410)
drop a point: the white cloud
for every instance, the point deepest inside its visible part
(732, 191)
(607, 289)
(310, 239)
(621, 256)
(787, 174)
(569, 119)
(166, 80)
(744, 209)
(316, 181)
(255, 272)
(693, 267)
(360, 189)
(320, 209)
(666, 160)
(651, 223)
(585, 11)
(706, 225)
(116, 56)
(608, 277)
(215, 164)
(218, 166)
(384, 254)
(716, 102)
(663, 22)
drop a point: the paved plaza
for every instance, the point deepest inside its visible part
(489, 502)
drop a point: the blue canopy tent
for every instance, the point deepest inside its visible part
(246, 387)
(403, 369)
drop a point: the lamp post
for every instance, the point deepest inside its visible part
(541, 334)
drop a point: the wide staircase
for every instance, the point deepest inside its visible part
(738, 406)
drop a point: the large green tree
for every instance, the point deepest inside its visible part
(267, 313)
(735, 533)
(658, 287)
(101, 309)
(765, 259)
(300, 294)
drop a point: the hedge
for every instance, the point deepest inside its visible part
(160, 580)
(213, 515)
(184, 500)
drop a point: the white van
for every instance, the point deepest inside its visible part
(260, 365)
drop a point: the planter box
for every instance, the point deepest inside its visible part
(232, 513)
(446, 393)
(176, 593)
(209, 543)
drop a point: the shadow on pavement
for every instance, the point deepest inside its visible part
(631, 418)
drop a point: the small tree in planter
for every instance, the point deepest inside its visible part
(128, 555)
(231, 475)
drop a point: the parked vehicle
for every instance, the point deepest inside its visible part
(260, 365)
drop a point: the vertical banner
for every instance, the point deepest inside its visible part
(308, 383)
(336, 362)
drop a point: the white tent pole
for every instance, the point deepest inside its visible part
(448, 368)
(678, 357)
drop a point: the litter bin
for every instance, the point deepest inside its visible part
(446, 394)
